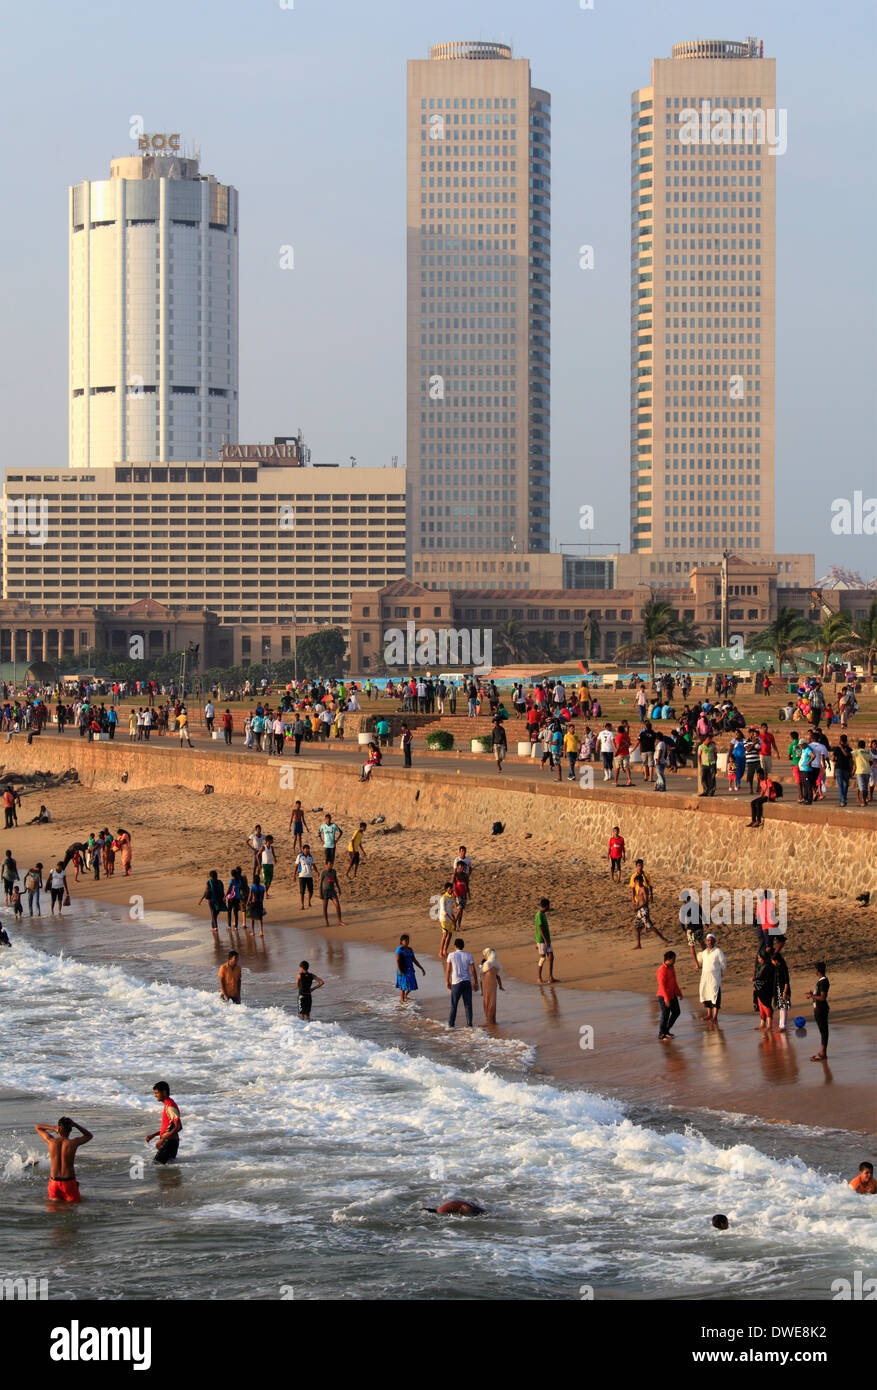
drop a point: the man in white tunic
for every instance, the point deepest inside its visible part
(713, 965)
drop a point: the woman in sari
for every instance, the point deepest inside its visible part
(490, 979)
(123, 840)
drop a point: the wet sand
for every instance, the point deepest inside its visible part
(603, 984)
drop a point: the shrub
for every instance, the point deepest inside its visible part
(440, 740)
(485, 744)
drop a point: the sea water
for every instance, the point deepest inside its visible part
(310, 1151)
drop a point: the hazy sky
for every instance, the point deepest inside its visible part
(303, 110)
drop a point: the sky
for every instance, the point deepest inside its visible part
(300, 104)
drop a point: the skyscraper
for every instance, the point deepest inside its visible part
(153, 311)
(705, 139)
(479, 198)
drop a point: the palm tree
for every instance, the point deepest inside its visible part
(663, 635)
(786, 638)
(836, 635)
(866, 634)
(512, 641)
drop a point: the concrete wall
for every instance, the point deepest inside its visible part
(821, 852)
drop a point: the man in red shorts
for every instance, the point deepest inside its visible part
(63, 1186)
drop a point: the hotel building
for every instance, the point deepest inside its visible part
(270, 548)
(153, 311)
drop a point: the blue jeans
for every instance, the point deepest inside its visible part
(669, 1015)
(461, 991)
(661, 781)
(843, 782)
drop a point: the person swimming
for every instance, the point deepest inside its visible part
(720, 1222)
(456, 1208)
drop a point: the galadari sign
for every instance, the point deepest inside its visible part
(158, 142)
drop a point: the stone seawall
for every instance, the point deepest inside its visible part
(823, 851)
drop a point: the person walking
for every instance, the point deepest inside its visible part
(707, 758)
(406, 960)
(500, 743)
(571, 747)
(183, 727)
(713, 965)
(668, 995)
(461, 979)
(304, 870)
(491, 980)
(842, 757)
(214, 896)
(782, 983)
(330, 891)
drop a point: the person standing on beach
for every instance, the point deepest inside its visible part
(543, 941)
(268, 859)
(406, 960)
(63, 1186)
(355, 850)
(763, 982)
(58, 889)
(669, 995)
(256, 906)
(491, 980)
(298, 826)
(617, 853)
(461, 979)
(256, 841)
(713, 965)
(447, 909)
(330, 834)
(819, 998)
(123, 839)
(168, 1135)
(330, 891)
(214, 896)
(781, 983)
(306, 983)
(304, 869)
(230, 979)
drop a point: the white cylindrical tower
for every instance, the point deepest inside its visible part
(153, 312)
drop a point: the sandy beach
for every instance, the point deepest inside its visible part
(602, 983)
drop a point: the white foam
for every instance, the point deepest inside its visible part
(375, 1133)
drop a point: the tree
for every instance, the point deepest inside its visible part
(785, 639)
(663, 635)
(835, 634)
(321, 653)
(866, 638)
(512, 642)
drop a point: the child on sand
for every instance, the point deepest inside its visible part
(616, 853)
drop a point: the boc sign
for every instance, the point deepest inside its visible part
(158, 142)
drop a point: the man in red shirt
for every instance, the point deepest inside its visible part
(171, 1125)
(767, 746)
(669, 995)
(616, 853)
(622, 753)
